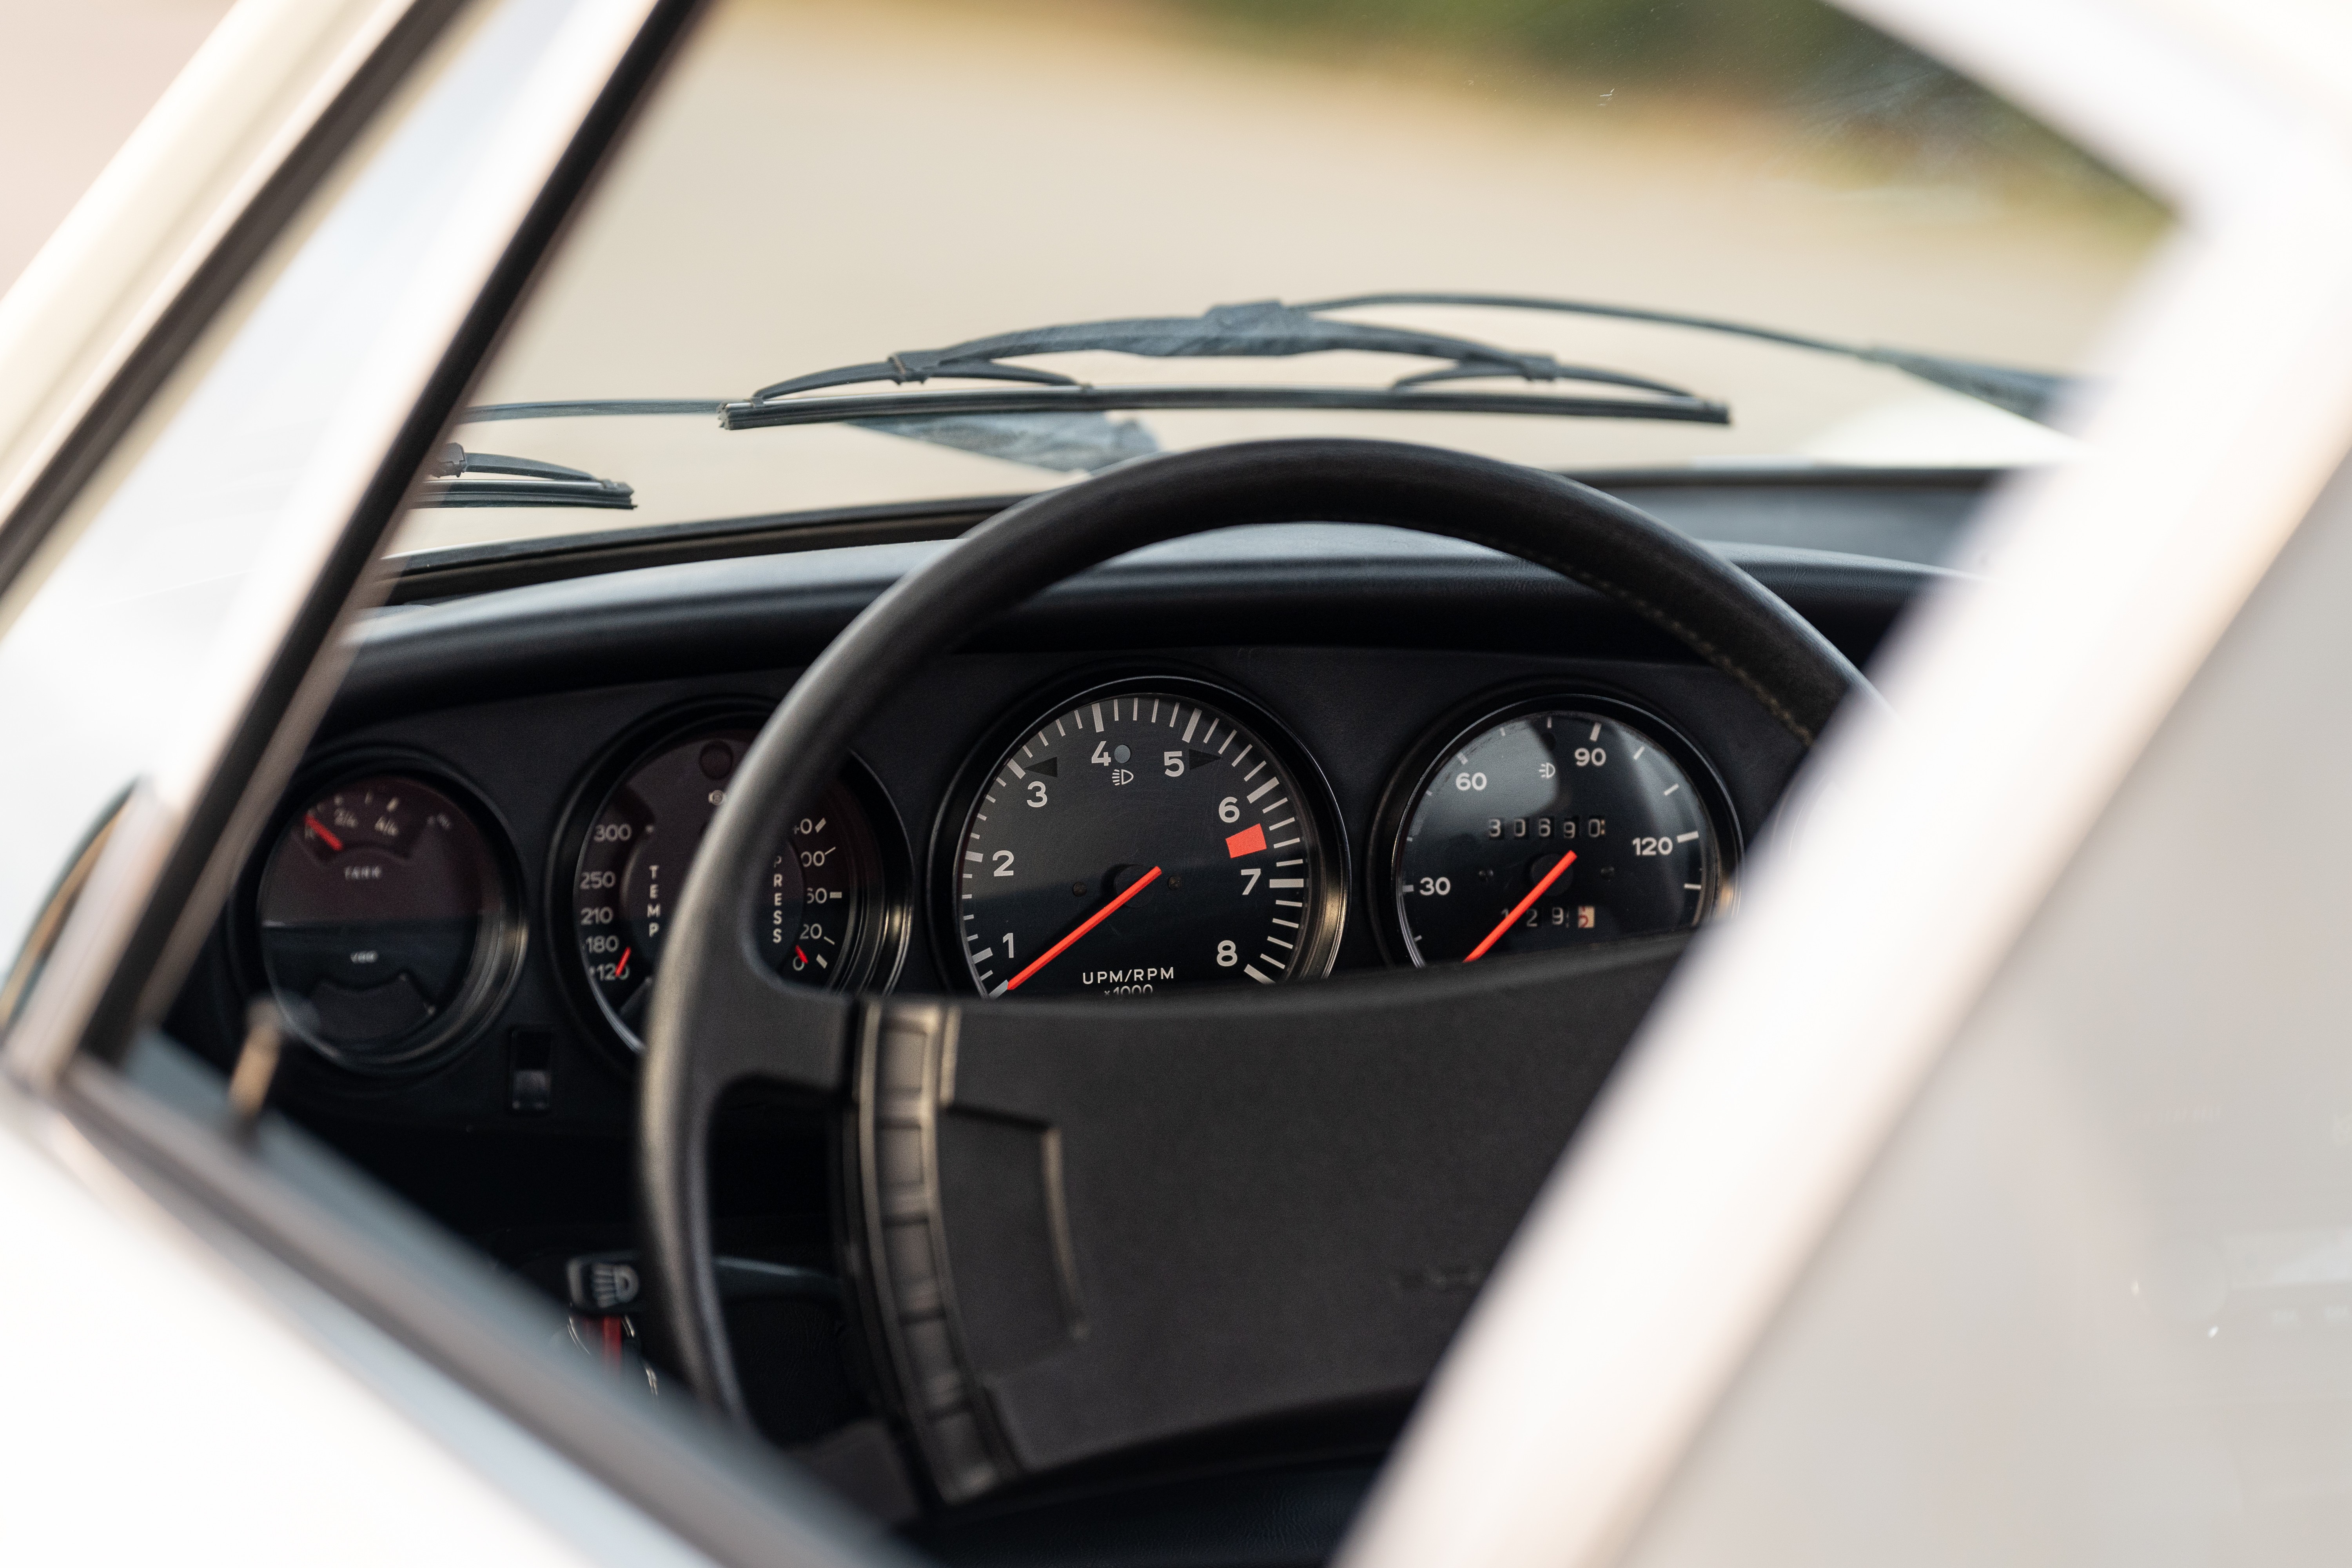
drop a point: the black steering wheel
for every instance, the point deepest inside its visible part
(1076, 1228)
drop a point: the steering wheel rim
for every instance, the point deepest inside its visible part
(721, 1017)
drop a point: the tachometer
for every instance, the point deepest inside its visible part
(386, 920)
(1551, 824)
(1144, 836)
(833, 912)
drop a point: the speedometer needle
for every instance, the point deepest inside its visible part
(1521, 908)
(1092, 921)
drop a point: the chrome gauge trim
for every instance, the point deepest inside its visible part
(1426, 757)
(1317, 953)
(504, 939)
(883, 934)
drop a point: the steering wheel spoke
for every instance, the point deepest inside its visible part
(1087, 1226)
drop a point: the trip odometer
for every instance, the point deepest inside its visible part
(831, 913)
(1146, 837)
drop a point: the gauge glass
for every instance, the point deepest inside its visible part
(818, 919)
(385, 920)
(1550, 828)
(1145, 839)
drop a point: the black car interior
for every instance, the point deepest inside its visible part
(1025, 1279)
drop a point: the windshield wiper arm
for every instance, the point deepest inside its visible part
(1264, 328)
(519, 481)
(2030, 394)
(882, 410)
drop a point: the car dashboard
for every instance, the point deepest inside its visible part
(1268, 756)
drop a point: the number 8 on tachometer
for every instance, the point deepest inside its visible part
(1144, 837)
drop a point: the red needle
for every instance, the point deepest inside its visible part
(621, 970)
(320, 828)
(1092, 921)
(1521, 908)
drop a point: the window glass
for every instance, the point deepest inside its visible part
(819, 187)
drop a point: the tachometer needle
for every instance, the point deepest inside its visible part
(1092, 921)
(320, 828)
(1521, 908)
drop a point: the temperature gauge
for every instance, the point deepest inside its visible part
(828, 915)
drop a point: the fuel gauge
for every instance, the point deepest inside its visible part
(387, 921)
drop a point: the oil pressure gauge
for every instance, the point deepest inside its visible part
(1552, 823)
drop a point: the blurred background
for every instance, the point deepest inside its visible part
(824, 181)
(821, 185)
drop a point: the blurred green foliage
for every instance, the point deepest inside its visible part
(1837, 83)
(1753, 43)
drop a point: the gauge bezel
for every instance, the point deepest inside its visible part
(882, 940)
(1426, 757)
(498, 952)
(1038, 707)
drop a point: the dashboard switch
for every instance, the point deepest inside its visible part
(531, 1079)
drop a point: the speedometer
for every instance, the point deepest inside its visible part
(1549, 824)
(1146, 837)
(831, 912)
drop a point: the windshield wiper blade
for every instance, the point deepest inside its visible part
(1263, 328)
(881, 410)
(2030, 394)
(514, 481)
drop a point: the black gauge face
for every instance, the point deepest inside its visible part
(1146, 837)
(386, 921)
(822, 919)
(1546, 827)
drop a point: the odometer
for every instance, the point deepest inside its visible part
(1548, 826)
(1144, 837)
(826, 914)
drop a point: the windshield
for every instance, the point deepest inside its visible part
(839, 189)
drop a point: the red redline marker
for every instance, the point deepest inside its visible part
(320, 828)
(1092, 921)
(1521, 908)
(1248, 841)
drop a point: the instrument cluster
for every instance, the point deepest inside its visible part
(1125, 837)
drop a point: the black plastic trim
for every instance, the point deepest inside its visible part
(517, 563)
(434, 575)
